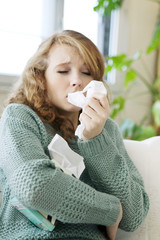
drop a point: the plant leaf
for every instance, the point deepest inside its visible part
(156, 39)
(127, 128)
(118, 105)
(156, 112)
(105, 7)
(120, 62)
(157, 83)
(131, 130)
(130, 77)
(144, 132)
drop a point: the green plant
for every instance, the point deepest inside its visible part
(107, 6)
(121, 63)
(129, 128)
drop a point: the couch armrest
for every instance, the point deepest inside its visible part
(146, 156)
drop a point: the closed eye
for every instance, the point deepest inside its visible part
(86, 73)
(62, 72)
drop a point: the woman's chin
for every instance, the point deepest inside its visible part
(74, 108)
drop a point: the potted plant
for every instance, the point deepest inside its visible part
(121, 63)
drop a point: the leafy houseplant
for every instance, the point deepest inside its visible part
(107, 6)
(121, 63)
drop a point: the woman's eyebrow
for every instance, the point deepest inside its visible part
(63, 64)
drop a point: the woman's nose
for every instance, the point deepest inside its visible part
(76, 81)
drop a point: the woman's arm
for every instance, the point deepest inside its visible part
(112, 171)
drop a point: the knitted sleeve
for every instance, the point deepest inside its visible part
(112, 171)
(35, 181)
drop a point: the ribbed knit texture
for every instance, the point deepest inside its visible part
(27, 173)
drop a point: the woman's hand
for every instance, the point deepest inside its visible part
(112, 230)
(94, 115)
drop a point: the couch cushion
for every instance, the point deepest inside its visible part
(146, 156)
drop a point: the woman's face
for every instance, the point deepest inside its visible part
(66, 73)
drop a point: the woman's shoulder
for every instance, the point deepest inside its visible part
(19, 111)
(21, 116)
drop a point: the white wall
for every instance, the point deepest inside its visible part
(137, 21)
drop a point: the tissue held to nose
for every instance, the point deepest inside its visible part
(78, 99)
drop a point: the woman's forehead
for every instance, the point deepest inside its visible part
(64, 54)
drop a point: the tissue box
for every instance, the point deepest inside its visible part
(37, 218)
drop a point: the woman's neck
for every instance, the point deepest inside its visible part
(74, 118)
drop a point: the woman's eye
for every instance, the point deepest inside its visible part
(86, 73)
(62, 72)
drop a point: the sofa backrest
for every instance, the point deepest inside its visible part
(146, 156)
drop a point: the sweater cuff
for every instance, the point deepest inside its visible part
(95, 145)
(109, 209)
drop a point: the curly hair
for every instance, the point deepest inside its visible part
(32, 88)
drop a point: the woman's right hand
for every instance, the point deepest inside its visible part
(94, 115)
(112, 230)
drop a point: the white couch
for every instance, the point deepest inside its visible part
(146, 156)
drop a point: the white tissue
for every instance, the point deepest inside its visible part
(78, 99)
(64, 157)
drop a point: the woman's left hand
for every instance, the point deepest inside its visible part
(94, 115)
(112, 230)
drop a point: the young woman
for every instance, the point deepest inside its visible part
(38, 109)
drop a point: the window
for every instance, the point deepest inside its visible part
(20, 33)
(23, 25)
(80, 16)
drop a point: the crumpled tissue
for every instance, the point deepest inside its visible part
(79, 99)
(65, 158)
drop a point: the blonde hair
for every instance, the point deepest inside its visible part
(32, 89)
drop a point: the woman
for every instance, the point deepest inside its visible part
(66, 63)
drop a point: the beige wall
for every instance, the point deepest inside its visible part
(6, 85)
(137, 21)
(3, 97)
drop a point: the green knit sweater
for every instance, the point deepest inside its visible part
(80, 205)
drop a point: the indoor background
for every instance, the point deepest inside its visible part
(127, 30)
